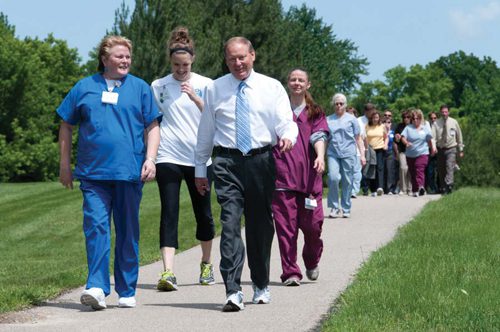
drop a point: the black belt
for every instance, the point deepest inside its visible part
(235, 152)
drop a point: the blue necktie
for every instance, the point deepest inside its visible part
(243, 141)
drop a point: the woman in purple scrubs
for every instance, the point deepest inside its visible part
(297, 202)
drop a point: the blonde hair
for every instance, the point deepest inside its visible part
(105, 47)
(418, 113)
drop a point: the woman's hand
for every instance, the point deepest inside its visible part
(148, 172)
(363, 160)
(66, 177)
(319, 165)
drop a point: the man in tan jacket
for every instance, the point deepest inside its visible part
(448, 135)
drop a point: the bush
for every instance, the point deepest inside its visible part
(481, 163)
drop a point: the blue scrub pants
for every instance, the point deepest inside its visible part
(101, 200)
(356, 177)
(340, 171)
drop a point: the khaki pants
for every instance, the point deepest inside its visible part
(447, 159)
(404, 175)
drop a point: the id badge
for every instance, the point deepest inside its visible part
(311, 204)
(109, 98)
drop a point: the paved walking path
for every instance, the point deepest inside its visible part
(348, 243)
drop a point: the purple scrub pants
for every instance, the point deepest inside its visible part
(101, 200)
(290, 215)
(416, 167)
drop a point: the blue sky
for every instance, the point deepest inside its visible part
(387, 32)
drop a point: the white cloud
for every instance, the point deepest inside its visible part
(469, 23)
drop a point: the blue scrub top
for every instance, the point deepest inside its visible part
(110, 137)
(419, 140)
(343, 132)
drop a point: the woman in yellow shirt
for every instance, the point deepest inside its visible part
(376, 137)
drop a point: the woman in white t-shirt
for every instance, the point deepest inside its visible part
(180, 98)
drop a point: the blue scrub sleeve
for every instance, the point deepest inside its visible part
(68, 109)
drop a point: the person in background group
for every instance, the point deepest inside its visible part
(430, 170)
(377, 138)
(344, 139)
(113, 161)
(390, 174)
(369, 109)
(245, 114)
(404, 175)
(297, 202)
(449, 139)
(418, 141)
(180, 98)
(356, 178)
(388, 116)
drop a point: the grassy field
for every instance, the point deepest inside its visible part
(441, 273)
(42, 243)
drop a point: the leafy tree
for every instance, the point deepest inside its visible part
(34, 77)
(282, 41)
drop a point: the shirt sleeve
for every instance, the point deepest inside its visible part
(356, 128)
(285, 127)
(68, 110)
(459, 138)
(405, 132)
(206, 133)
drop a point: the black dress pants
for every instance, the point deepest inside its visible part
(245, 186)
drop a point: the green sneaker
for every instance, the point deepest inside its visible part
(207, 274)
(167, 282)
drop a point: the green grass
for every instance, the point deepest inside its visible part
(42, 244)
(441, 273)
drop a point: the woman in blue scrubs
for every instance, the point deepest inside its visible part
(118, 138)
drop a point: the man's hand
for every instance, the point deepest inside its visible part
(201, 185)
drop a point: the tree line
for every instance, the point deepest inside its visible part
(36, 75)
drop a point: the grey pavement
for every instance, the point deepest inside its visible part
(347, 244)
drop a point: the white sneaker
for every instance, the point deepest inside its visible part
(334, 213)
(374, 194)
(292, 281)
(127, 302)
(93, 297)
(380, 192)
(346, 215)
(234, 302)
(261, 296)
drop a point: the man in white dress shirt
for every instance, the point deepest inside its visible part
(244, 181)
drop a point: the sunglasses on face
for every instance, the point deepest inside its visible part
(433, 118)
